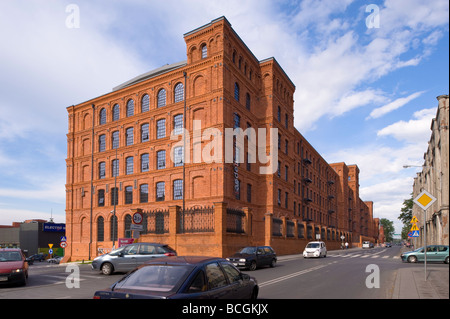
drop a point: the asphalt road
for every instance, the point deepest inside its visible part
(352, 274)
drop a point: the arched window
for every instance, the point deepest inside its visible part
(116, 112)
(102, 116)
(236, 91)
(204, 51)
(145, 103)
(179, 93)
(100, 229)
(130, 108)
(161, 98)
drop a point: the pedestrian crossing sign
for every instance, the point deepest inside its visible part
(414, 227)
(414, 220)
(415, 233)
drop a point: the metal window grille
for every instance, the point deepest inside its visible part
(161, 98)
(276, 227)
(160, 191)
(129, 195)
(102, 116)
(161, 159)
(196, 220)
(116, 112)
(144, 162)
(179, 93)
(145, 132)
(130, 165)
(235, 221)
(161, 128)
(145, 103)
(143, 193)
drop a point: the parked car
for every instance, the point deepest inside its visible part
(315, 249)
(253, 257)
(36, 257)
(388, 245)
(183, 278)
(13, 266)
(55, 259)
(434, 253)
(128, 257)
(367, 244)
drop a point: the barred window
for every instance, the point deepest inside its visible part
(179, 92)
(178, 156)
(115, 168)
(102, 143)
(144, 162)
(178, 124)
(204, 51)
(161, 128)
(160, 191)
(161, 98)
(178, 189)
(145, 132)
(102, 116)
(130, 108)
(129, 136)
(161, 159)
(100, 228)
(130, 165)
(145, 103)
(115, 139)
(114, 196)
(101, 170)
(236, 91)
(129, 195)
(101, 197)
(116, 112)
(143, 193)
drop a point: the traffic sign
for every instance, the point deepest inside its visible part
(63, 244)
(137, 218)
(414, 227)
(63, 238)
(414, 220)
(415, 233)
(50, 251)
(50, 246)
(424, 200)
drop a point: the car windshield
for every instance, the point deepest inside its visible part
(248, 250)
(313, 245)
(10, 256)
(158, 278)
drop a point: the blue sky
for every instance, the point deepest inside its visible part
(364, 96)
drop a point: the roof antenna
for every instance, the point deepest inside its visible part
(51, 215)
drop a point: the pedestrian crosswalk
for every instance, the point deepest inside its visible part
(369, 256)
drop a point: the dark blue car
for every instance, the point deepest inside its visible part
(183, 278)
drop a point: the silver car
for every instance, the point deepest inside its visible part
(128, 257)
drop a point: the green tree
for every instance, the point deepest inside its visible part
(388, 227)
(406, 216)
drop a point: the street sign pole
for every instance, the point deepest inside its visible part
(425, 240)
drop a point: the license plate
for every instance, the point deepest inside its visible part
(3, 278)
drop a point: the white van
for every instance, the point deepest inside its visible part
(366, 244)
(315, 249)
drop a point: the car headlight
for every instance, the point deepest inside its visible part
(17, 270)
(242, 260)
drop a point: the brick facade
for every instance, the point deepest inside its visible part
(223, 86)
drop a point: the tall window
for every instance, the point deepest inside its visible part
(145, 132)
(204, 51)
(160, 191)
(179, 93)
(114, 196)
(236, 91)
(249, 193)
(236, 120)
(102, 143)
(161, 98)
(129, 136)
(279, 197)
(130, 108)
(100, 228)
(177, 189)
(143, 193)
(178, 124)
(144, 162)
(101, 197)
(129, 195)
(130, 165)
(279, 114)
(161, 159)
(115, 140)
(116, 112)
(178, 156)
(161, 128)
(102, 116)
(247, 101)
(115, 168)
(145, 103)
(101, 170)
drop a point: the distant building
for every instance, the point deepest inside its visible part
(121, 159)
(434, 178)
(33, 236)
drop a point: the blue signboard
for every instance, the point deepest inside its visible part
(52, 227)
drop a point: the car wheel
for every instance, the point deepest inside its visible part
(254, 293)
(273, 263)
(107, 269)
(412, 259)
(446, 260)
(252, 266)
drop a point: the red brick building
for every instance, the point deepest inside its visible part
(121, 157)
